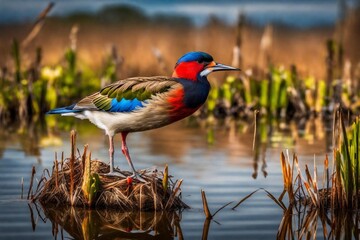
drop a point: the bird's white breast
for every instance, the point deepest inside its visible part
(154, 114)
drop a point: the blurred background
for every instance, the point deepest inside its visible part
(138, 30)
(54, 53)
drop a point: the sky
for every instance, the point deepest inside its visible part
(298, 13)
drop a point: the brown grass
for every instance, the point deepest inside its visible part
(135, 44)
(64, 186)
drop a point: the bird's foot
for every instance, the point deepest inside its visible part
(137, 176)
(115, 174)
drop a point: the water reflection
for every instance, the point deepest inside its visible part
(109, 224)
(305, 136)
(222, 148)
(316, 223)
(296, 223)
(27, 136)
(234, 137)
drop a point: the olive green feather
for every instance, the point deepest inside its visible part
(141, 88)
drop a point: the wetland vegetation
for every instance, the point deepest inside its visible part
(303, 97)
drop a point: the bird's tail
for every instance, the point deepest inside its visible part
(64, 110)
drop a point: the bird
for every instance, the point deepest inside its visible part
(144, 103)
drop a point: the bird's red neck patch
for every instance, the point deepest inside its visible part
(178, 109)
(188, 70)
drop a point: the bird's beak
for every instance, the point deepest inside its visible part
(222, 67)
(213, 67)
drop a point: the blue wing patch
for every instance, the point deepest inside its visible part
(125, 105)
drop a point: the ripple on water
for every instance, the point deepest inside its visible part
(225, 171)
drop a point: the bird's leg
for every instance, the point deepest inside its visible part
(125, 151)
(111, 155)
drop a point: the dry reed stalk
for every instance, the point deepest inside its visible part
(311, 193)
(207, 212)
(31, 182)
(326, 183)
(309, 178)
(141, 197)
(37, 25)
(173, 195)
(154, 189)
(56, 171)
(205, 205)
(326, 172)
(287, 171)
(299, 177)
(83, 157)
(311, 187)
(166, 178)
(72, 160)
(86, 179)
(315, 177)
(310, 184)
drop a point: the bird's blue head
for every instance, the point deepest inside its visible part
(197, 64)
(199, 57)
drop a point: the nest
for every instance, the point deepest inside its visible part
(81, 182)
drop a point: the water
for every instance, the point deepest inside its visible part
(227, 169)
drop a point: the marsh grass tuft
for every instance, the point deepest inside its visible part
(333, 205)
(340, 189)
(80, 181)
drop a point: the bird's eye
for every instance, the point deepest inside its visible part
(201, 61)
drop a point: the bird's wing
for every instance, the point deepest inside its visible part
(126, 95)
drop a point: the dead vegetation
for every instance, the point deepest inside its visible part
(81, 182)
